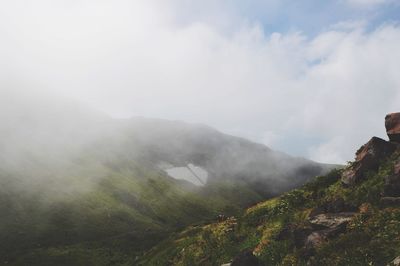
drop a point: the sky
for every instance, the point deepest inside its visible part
(310, 78)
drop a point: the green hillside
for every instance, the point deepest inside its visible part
(80, 188)
(115, 219)
(325, 222)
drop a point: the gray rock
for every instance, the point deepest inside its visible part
(331, 220)
(327, 225)
(395, 262)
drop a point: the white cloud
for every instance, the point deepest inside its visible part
(137, 58)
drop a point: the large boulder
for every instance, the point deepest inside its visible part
(392, 124)
(318, 238)
(327, 226)
(368, 158)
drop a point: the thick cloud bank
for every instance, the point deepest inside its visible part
(318, 96)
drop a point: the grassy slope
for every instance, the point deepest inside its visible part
(79, 189)
(371, 238)
(111, 223)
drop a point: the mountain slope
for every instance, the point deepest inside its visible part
(80, 188)
(347, 217)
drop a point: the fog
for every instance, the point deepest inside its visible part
(55, 147)
(317, 95)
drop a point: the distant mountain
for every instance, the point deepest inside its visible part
(80, 188)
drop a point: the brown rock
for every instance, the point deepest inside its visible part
(392, 124)
(368, 158)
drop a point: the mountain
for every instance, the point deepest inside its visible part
(80, 188)
(350, 216)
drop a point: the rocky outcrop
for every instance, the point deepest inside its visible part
(331, 220)
(246, 258)
(320, 228)
(327, 225)
(395, 262)
(317, 238)
(368, 158)
(392, 124)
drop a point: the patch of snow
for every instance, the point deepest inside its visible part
(191, 173)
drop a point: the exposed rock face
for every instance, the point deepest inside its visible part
(321, 227)
(246, 258)
(395, 262)
(332, 224)
(367, 159)
(317, 238)
(331, 220)
(392, 124)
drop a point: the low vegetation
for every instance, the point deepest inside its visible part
(274, 230)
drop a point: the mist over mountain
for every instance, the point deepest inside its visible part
(54, 132)
(70, 175)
